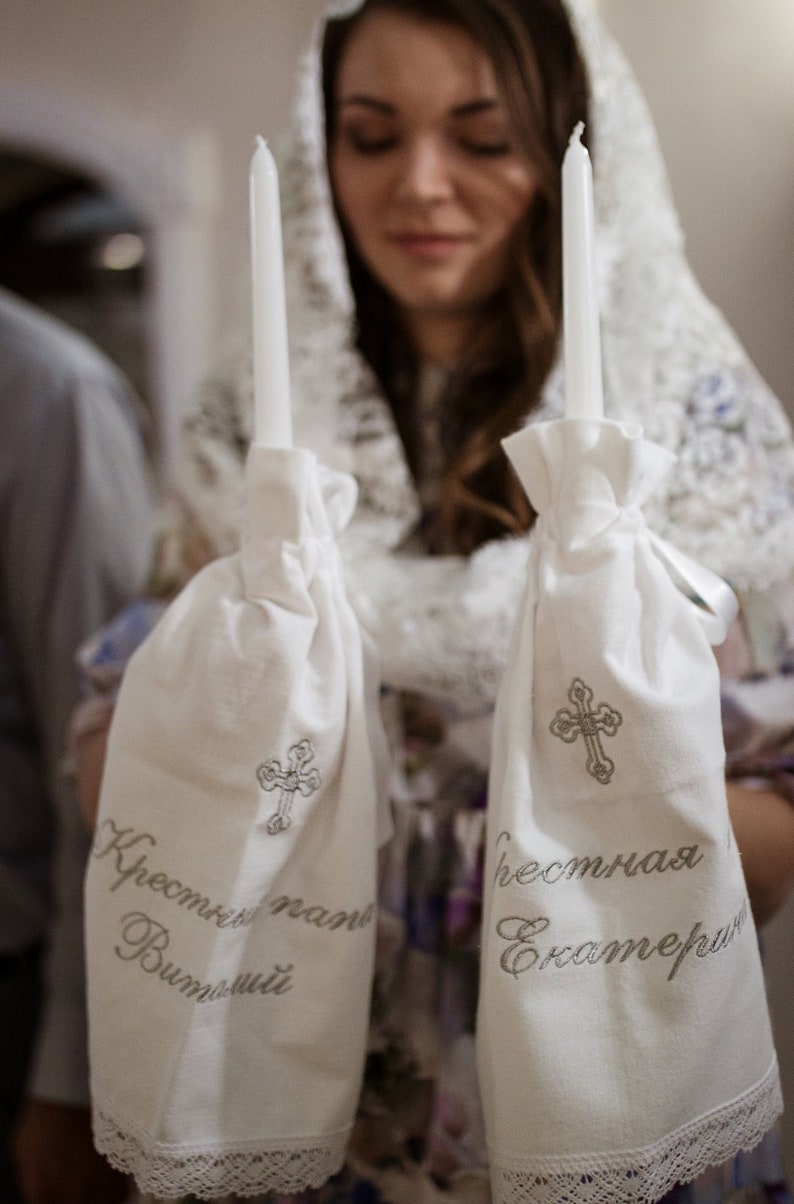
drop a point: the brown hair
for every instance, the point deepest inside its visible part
(544, 83)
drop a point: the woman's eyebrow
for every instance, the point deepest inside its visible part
(368, 102)
(468, 109)
(484, 105)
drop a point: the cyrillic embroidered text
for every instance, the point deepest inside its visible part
(603, 866)
(522, 951)
(144, 941)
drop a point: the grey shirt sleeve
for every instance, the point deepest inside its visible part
(76, 530)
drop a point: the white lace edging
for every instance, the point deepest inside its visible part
(647, 1174)
(247, 1169)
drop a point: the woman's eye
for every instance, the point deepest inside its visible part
(492, 149)
(372, 146)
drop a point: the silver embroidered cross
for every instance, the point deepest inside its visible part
(590, 725)
(290, 781)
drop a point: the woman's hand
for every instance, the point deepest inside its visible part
(763, 823)
(90, 752)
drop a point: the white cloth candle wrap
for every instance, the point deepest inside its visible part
(231, 889)
(623, 1036)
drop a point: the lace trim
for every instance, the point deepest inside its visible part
(249, 1169)
(643, 1175)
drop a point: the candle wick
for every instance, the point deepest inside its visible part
(576, 136)
(260, 141)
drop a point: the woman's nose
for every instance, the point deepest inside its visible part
(425, 173)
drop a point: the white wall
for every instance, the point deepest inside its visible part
(718, 75)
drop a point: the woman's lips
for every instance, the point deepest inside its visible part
(428, 246)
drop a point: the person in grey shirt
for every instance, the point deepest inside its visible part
(75, 537)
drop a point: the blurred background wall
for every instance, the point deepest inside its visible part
(136, 118)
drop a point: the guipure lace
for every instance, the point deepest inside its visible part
(246, 1170)
(643, 1175)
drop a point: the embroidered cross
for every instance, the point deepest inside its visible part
(590, 725)
(290, 781)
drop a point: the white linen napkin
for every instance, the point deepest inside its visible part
(623, 1036)
(230, 896)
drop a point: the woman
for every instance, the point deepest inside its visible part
(423, 258)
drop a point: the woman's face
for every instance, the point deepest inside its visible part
(425, 171)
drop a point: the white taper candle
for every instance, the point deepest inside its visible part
(272, 407)
(584, 392)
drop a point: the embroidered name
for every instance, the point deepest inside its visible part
(145, 942)
(522, 952)
(657, 861)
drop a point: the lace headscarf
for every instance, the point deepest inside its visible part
(671, 362)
